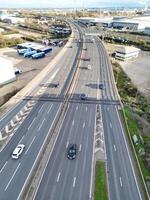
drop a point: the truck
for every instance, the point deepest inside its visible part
(38, 55)
(23, 51)
(29, 53)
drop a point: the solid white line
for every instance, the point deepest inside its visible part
(41, 124)
(67, 144)
(30, 145)
(41, 108)
(31, 123)
(49, 109)
(80, 147)
(12, 176)
(120, 181)
(84, 125)
(114, 147)
(110, 125)
(74, 181)
(58, 177)
(3, 166)
(73, 123)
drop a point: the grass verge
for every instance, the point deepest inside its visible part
(100, 192)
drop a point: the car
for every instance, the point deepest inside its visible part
(18, 151)
(83, 96)
(101, 86)
(72, 151)
(89, 67)
(56, 84)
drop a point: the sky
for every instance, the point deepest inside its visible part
(70, 3)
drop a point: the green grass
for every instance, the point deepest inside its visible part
(134, 129)
(100, 192)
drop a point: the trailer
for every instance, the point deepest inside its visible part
(38, 55)
(29, 53)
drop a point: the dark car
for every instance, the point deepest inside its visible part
(72, 151)
(83, 96)
(56, 84)
(101, 86)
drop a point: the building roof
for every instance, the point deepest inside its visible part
(6, 71)
(127, 49)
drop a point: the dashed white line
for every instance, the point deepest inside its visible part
(110, 125)
(76, 107)
(73, 123)
(3, 167)
(31, 123)
(12, 176)
(41, 124)
(58, 177)
(30, 145)
(74, 181)
(120, 181)
(67, 144)
(86, 108)
(49, 109)
(40, 109)
(107, 109)
(80, 147)
(84, 125)
(114, 147)
(21, 139)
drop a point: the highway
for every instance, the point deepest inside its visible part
(34, 129)
(63, 179)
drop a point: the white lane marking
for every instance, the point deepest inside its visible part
(31, 123)
(84, 125)
(74, 181)
(67, 144)
(86, 108)
(41, 108)
(110, 125)
(3, 166)
(49, 109)
(41, 124)
(114, 147)
(76, 107)
(73, 123)
(21, 139)
(107, 109)
(80, 147)
(12, 176)
(120, 181)
(58, 177)
(30, 145)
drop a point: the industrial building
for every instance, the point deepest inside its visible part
(126, 52)
(7, 73)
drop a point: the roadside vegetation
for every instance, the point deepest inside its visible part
(137, 113)
(100, 192)
(127, 38)
(6, 42)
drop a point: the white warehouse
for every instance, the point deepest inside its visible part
(7, 73)
(126, 52)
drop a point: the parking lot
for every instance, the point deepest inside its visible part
(29, 67)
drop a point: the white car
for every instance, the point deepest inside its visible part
(18, 151)
(89, 67)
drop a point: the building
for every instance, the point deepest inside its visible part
(7, 73)
(126, 52)
(147, 30)
(11, 19)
